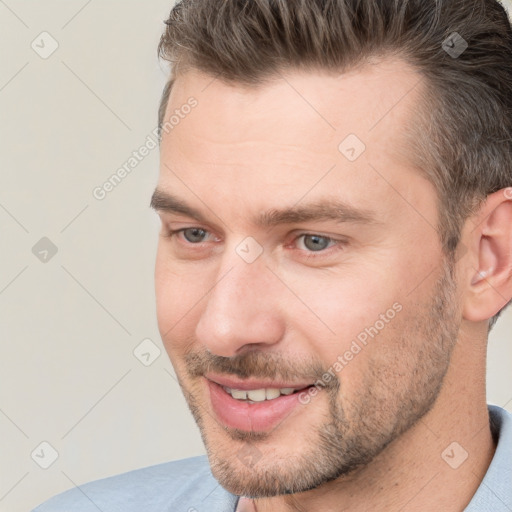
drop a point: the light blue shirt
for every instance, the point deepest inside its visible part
(188, 485)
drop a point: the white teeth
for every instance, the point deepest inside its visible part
(239, 394)
(272, 393)
(258, 395)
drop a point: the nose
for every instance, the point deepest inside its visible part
(242, 310)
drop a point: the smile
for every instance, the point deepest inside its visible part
(258, 395)
(257, 407)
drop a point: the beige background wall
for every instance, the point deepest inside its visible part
(69, 324)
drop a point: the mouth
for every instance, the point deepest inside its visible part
(253, 405)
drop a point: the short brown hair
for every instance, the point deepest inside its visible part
(461, 136)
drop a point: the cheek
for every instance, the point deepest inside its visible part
(359, 313)
(345, 305)
(181, 295)
(171, 291)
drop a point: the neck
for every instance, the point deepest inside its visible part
(438, 464)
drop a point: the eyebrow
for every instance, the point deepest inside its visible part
(320, 209)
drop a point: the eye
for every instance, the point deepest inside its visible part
(194, 235)
(310, 245)
(191, 235)
(315, 243)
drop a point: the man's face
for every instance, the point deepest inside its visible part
(352, 316)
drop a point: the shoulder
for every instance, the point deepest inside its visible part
(495, 491)
(179, 486)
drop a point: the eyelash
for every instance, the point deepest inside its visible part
(310, 254)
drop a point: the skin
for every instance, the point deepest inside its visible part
(413, 390)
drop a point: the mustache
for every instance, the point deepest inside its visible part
(256, 364)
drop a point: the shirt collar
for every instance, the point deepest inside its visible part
(495, 491)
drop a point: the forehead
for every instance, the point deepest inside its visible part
(286, 135)
(370, 100)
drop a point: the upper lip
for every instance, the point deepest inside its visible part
(248, 384)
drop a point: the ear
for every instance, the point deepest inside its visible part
(489, 278)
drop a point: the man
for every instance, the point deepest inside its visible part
(336, 245)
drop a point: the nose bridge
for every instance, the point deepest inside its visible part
(240, 308)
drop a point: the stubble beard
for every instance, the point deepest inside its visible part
(356, 431)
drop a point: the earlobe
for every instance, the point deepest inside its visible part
(490, 286)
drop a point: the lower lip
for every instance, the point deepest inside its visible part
(258, 416)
